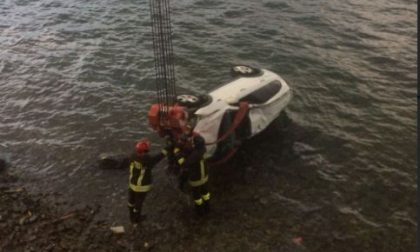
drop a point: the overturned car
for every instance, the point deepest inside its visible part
(237, 110)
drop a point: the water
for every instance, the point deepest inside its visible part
(76, 80)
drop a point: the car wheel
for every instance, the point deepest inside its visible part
(242, 70)
(187, 100)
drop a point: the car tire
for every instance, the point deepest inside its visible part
(244, 70)
(188, 100)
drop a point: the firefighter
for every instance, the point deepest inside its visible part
(182, 149)
(140, 181)
(172, 149)
(194, 165)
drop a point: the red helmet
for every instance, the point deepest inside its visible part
(142, 146)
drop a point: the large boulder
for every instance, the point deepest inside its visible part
(113, 161)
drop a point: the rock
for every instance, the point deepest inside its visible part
(263, 201)
(31, 238)
(118, 230)
(113, 161)
(22, 220)
(297, 240)
(19, 208)
(32, 219)
(2, 165)
(50, 247)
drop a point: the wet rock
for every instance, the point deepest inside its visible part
(2, 165)
(22, 220)
(50, 247)
(32, 219)
(297, 240)
(263, 201)
(30, 249)
(148, 245)
(93, 247)
(19, 208)
(63, 244)
(118, 230)
(71, 224)
(113, 161)
(31, 238)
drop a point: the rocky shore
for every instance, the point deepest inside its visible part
(255, 207)
(34, 221)
(30, 223)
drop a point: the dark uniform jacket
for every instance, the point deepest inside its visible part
(195, 165)
(141, 171)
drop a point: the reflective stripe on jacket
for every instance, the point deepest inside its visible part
(137, 175)
(204, 177)
(196, 167)
(140, 179)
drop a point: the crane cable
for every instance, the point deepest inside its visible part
(163, 55)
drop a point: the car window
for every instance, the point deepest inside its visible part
(263, 94)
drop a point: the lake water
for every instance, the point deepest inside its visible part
(77, 79)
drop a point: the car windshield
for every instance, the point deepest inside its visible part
(263, 94)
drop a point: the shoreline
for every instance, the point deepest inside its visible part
(30, 222)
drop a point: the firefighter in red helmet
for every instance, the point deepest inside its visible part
(140, 181)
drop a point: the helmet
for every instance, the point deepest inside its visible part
(142, 146)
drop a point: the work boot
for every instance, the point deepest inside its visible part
(132, 214)
(136, 216)
(206, 206)
(199, 210)
(139, 218)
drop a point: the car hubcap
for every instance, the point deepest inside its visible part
(187, 98)
(243, 69)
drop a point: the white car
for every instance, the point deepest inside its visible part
(237, 110)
